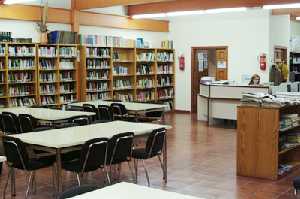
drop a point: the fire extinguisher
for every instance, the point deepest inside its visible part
(263, 61)
(181, 62)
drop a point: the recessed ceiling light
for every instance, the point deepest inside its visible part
(298, 18)
(282, 6)
(8, 2)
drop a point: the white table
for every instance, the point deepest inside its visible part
(131, 191)
(130, 106)
(46, 114)
(56, 140)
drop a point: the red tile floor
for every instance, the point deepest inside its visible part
(201, 163)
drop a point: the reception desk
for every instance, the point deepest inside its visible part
(221, 101)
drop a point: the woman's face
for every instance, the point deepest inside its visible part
(256, 80)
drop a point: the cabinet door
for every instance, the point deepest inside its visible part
(222, 64)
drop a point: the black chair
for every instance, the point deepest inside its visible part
(74, 108)
(81, 121)
(92, 157)
(91, 108)
(29, 124)
(105, 113)
(120, 112)
(120, 150)
(75, 191)
(18, 158)
(296, 183)
(154, 147)
(10, 123)
(152, 116)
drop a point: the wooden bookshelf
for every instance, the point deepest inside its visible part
(260, 141)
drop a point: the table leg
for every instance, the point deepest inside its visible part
(58, 171)
(165, 161)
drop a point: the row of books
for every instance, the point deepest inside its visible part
(122, 84)
(21, 63)
(65, 99)
(97, 75)
(62, 37)
(5, 37)
(165, 93)
(47, 100)
(21, 90)
(47, 64)
(97, 64)
(21, 51)
(66, 76)
(97, 86)
(66, 64)
(26, 101)
(165, 57)
(20, 77)
(164, 81)
(66, 88)
(168, 44)
(47, 77)
(2, 63)
(2, 78)
(144, 69)
(68, 52)
(98, 52)
(141, 43)
(97, 96)
(145, 83)
(146, 57)
(144, 96)
(2, 50)
(47, 89)
(47, 51)
(123, 97)
(106, 41)
(120, 70)
(164, 69)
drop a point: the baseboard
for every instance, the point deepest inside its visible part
(182, 112)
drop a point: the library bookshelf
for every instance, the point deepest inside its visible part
(144, 75)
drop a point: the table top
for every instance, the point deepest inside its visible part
(131, 191)
(68, 137)
(46, 113)
(131, 106)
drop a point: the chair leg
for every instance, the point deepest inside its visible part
(107, 175)
(34, 182)
(161, 163)
(130, 168)
(54, 179)
(29, 184)
(6, 183)
(78, 179)
(13, 182)
(146, 171)
(135, 162)
(295, 192)
(1, 165)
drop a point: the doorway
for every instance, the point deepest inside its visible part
(207, 61)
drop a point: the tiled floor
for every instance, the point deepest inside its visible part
(201, 163)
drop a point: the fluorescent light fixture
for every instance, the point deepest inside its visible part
(186, 13)
(149, 16)
(282, 6)
(298, 18)
(8, 2)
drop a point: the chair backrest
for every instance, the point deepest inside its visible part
(26, 123)
(10, 123)
(155, 142)
(120, 148)
(105, 113)
(74, 108)
(93, 154)
(15, 152)
(75, 191)
(91, 108)
(118, 109)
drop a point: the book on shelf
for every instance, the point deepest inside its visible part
(66, 76)
(123, 97)
(120, 70)
(20, 90)
(165, 93)
(164, 81)
(146, 57)
(5, 37)
(97, 75)
(47, 77)
(26, 101)
(144, 69)
(167, 44)
(21, 77)
(165, 57)
(2, 50)
(97, 86)
(2, 64)
(97, 64)
(97, 52)
(164, 69)
(106, 41)
(145, 83)
(66, 64)
(21, 51)
(145, 96)
(68, 52)
(22, 40)
(141, 43)
(98, 96)
(66, 88)
(2, 78)
(64, 99)
(62, 37)
(47, 100)
(47, 89)
(49, 51)
(21, 64)
(122, 84)
(47, 64)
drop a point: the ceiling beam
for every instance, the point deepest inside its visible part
(87, 4)
(188, 5)
(293, 12)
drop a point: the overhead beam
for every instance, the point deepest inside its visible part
(87, 4)
(188, 5)
(76, 18)
(293, 12)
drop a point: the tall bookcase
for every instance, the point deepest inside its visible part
(3, 75)
(144, 75)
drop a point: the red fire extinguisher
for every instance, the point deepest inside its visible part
(181, 62)
(263, 61)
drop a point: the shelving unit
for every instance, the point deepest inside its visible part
(295, 65)
(21, 74)
(261, 144)
(3, 75)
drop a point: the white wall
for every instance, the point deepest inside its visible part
(154, 38)
(246, 34)
(280, 31)
(295, 28)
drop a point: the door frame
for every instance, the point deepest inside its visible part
(194, 72)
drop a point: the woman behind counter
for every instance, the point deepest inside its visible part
(255, 80)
